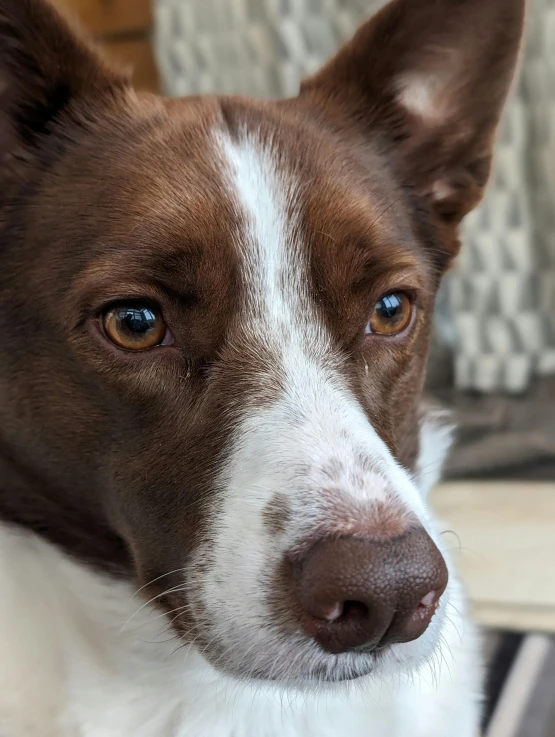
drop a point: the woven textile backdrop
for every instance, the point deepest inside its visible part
(501, 295)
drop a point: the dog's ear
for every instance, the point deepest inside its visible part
(432, 76)
(44, 67)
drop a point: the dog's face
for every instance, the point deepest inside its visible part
(215, 316)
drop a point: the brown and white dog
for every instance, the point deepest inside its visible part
(214, 323)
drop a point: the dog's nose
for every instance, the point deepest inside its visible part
(362, 593)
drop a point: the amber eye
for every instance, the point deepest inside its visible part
(135, 327)
(391, 314)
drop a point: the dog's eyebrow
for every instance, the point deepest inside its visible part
(383, 277)
(95, 294)
(173, 269)
(388, 260)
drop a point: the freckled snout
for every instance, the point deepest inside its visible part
(358, 592)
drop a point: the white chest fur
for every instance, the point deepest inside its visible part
(71, 667)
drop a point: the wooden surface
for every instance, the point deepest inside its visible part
(123, 29)
(103, 17)
(137, 56)
(504, 548)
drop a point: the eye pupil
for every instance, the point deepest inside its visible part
(135, 327)
(137, 320)
(391, 315)
(389, 306)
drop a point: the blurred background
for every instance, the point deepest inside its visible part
(493, 359)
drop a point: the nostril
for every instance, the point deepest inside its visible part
(341, 625)
(334, 612)
(429, 600)
(355, 610)
(425, 609)
(342, 611)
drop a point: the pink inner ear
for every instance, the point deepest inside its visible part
(441, 190)
(427, 96)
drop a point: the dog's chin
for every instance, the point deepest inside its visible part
(306, 666)
(330, 670)
(313, 670)
(343, 672)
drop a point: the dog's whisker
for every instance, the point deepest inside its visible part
(163, 575)
(385, 210)
(150, 621)
(150, 601)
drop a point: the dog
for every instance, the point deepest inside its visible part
(214, 452)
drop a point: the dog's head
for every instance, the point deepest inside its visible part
(215, 316)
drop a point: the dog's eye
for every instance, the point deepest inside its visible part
(135, 327)
(391, 314)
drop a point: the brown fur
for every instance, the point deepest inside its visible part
(107, 194)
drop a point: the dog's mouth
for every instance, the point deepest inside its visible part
(329, 669)
(293, 661)
(362, 663)
(276, 649)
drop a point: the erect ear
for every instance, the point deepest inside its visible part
(432, 76)
(44, 67)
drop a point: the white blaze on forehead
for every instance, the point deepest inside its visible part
(279, 311)
(271, 261)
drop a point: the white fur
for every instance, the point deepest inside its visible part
(436, 436)
(80, 656)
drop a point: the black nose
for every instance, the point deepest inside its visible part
(359, 592)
